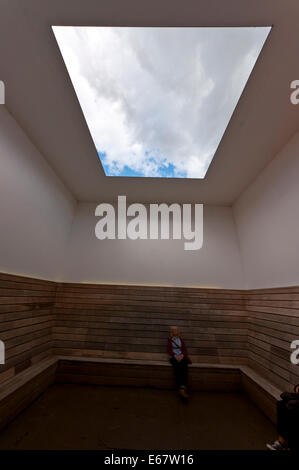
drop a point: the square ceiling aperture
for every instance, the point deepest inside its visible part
(157, 101)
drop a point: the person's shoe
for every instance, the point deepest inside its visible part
(277, 445)
(183, 393)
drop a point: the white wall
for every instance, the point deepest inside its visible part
(267, 220)
(36, 210)
(46, 234)
(163, 262)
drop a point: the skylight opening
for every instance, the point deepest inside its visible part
(157, 101)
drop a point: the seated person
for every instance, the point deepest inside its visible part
(179, 359)
(287, 422)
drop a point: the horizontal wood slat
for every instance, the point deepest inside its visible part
(134, 321)
(26, 321)
(220, 326)
(273, 316)
(156, 376)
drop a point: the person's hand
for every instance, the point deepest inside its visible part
(179, 358)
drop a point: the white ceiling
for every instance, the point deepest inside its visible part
(40, 96)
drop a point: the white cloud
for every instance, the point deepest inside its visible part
(164, 93)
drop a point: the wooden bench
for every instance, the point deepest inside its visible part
(18, 392)
(140, 373)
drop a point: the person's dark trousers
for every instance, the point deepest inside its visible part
(180, 371)
(287, 424)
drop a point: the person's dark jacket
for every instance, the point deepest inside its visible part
(291, 400)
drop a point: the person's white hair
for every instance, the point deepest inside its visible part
(172, 328)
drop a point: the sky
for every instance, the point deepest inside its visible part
(157, 101)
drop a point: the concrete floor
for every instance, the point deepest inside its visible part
(93, 417)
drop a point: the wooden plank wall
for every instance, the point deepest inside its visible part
(273, 316)
(26, 320)
(132, 322)
(255, 327)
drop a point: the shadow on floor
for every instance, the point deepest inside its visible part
(95, 417)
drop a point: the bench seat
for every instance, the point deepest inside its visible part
(18, 392)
